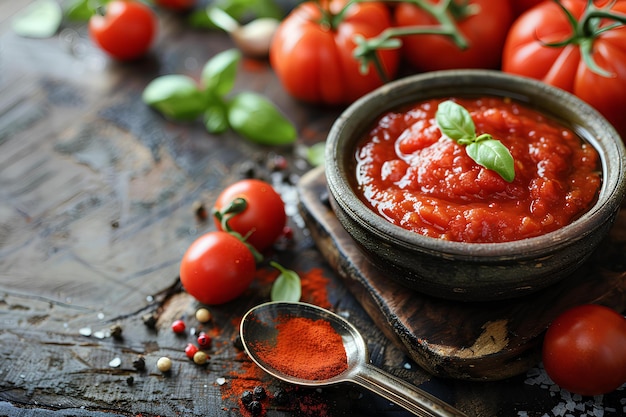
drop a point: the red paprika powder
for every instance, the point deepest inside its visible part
(305, 348)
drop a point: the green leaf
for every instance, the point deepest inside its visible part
(219, 73)
(41, 19)
(216, 118)
(316, 154)
(80, 10)
(200, 19)
(257, 119)
(287, 285)
(492, 154)
(177, 97)
(249, 9)
(455, 122)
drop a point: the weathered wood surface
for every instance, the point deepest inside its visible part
(473, 341)
(96, 197)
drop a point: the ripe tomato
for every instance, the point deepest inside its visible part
(126, 30)
(584, 350)
(526, 53)
(217, 268)
(520, 6)
(176, 5)
(484, 27)
(313, 56)
(264, 218)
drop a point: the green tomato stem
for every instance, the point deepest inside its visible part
(586, 30)
(446, 13)
(238, 205)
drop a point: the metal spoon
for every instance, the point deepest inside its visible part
(258, 326)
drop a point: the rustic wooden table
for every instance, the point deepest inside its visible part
(97, 197)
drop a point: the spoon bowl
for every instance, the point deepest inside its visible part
(258, 327)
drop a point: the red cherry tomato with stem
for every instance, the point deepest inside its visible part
(126, 30)
(263, 217)
(217, 268)
(584, 350)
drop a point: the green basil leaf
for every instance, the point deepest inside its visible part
(216, 118)
(219, 73)
(257, 119)
(80, 10)
(492, 154)
(316, 154)
(200, 19)
(287, 286)
(177, 97)
(455, 122)
(248, 9)
(40, 19)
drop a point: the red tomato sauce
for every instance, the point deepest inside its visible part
(416, 178)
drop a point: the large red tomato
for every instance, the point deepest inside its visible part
(584, 350)
(126, 30)
(526, 53)
(312, 51)
(483, 24)
(520, 6)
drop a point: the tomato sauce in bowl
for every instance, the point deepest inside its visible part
(416, 178)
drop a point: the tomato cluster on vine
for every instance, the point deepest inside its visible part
(333, 52)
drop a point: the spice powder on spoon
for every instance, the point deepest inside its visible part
(305, 348)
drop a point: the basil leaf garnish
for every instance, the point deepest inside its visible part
(219, 73)
(456, 123)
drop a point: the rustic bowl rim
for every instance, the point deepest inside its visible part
(391, 95)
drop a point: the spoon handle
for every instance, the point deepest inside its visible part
(403, 394)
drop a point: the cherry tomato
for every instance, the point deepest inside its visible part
(176, 5)
(126, 30)
(526, 53)
(584, 350)
(483, 24)
(312, 54)
(264, 218)
(217, 268)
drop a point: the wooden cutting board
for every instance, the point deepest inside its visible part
(471, 341)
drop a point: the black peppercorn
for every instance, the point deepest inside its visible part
(149, 320)
(259, 393)
(139, 363)
(247, 397)
(255, 408)
(281, 397)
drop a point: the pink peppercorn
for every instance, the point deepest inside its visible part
(178, 326)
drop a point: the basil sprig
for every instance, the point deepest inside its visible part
(287, 285)
(456, 123)
(251, 115)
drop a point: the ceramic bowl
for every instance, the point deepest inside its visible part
(473, 271)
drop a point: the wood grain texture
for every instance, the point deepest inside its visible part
(96, 210)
